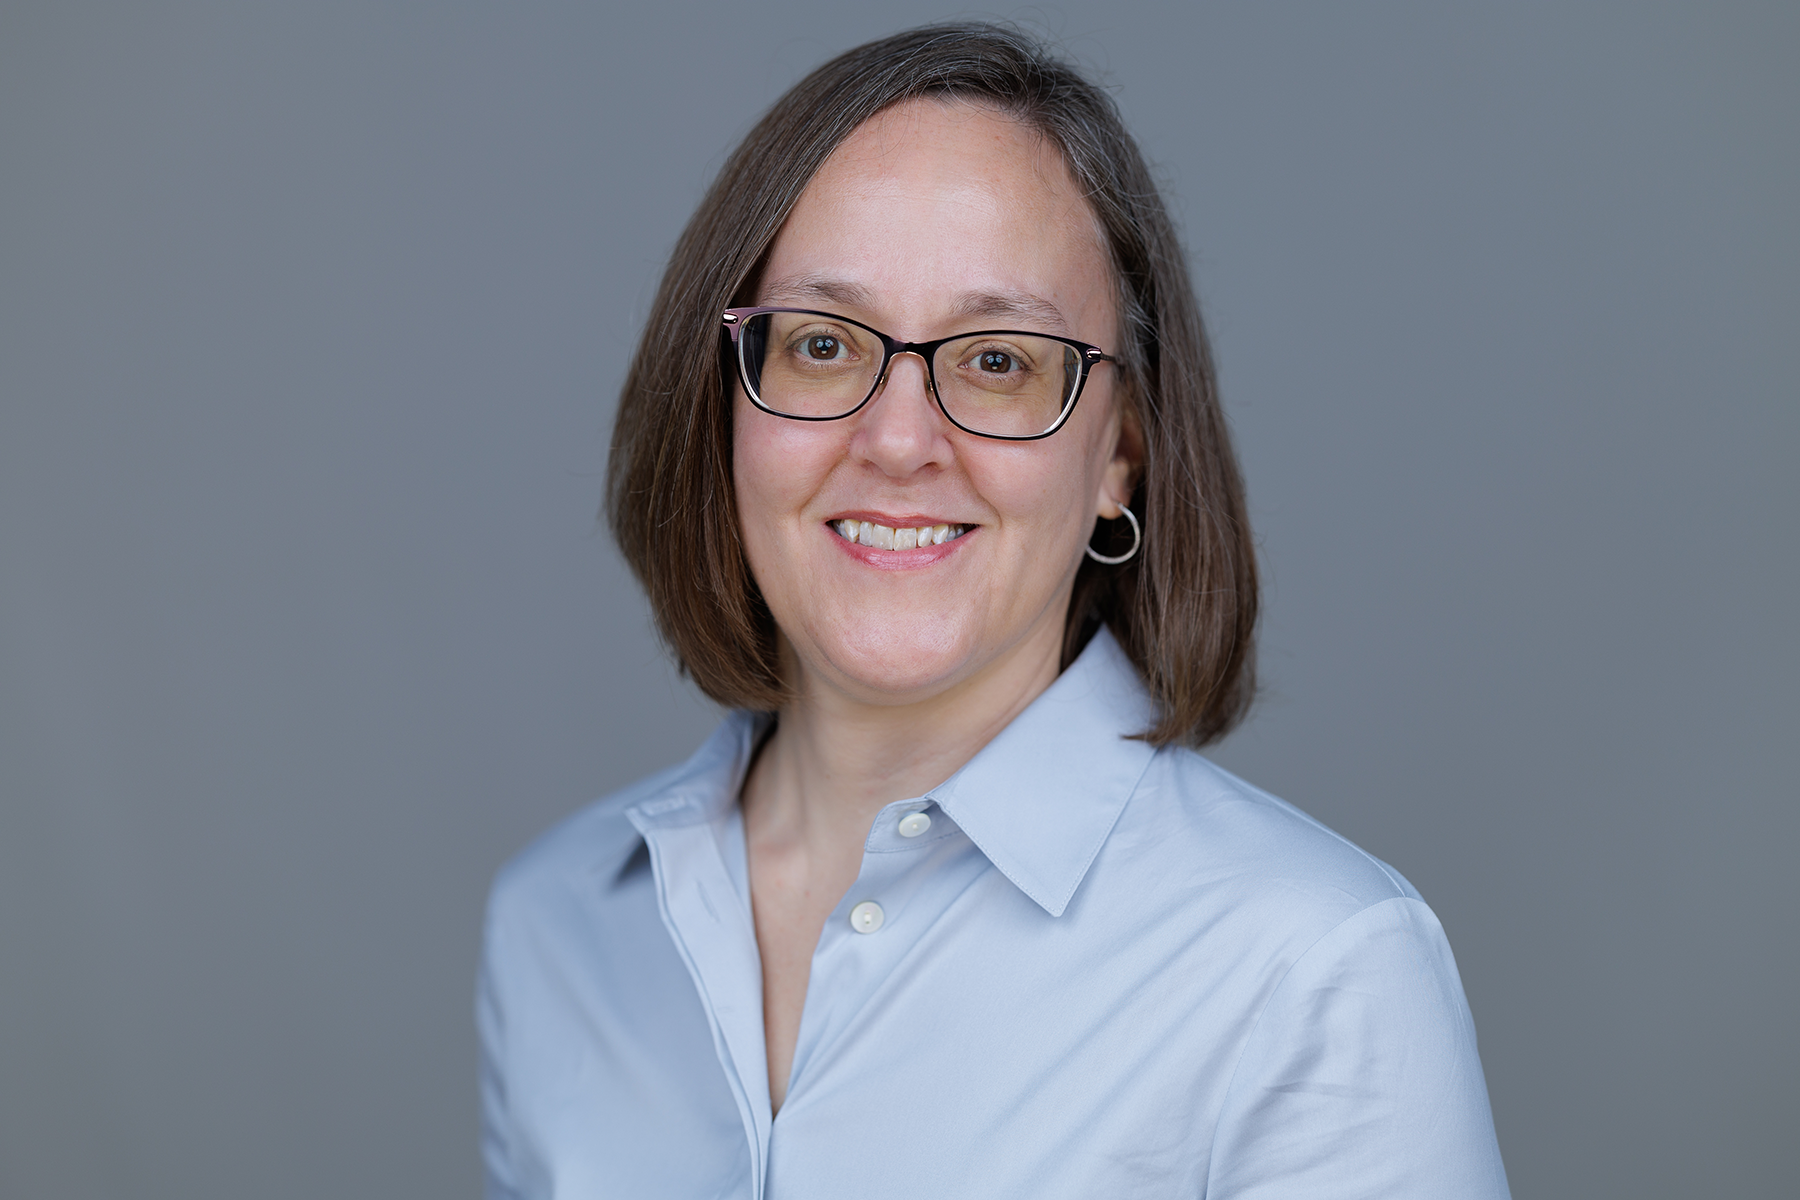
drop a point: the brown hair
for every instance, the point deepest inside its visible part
(1184, 608)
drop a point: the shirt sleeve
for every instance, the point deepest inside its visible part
(496, 1153)
(1361, 1077)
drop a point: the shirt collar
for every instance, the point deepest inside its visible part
(1039, 800)
(709, 781)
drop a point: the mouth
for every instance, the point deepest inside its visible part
(886, 537)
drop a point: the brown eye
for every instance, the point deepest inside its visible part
(821, 348)
(995, 361)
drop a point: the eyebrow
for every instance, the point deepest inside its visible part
(1012, 305)
(1020, 306)
(818, 287)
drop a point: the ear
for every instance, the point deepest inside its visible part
(1120, 476)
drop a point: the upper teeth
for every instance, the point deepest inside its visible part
(884, 537)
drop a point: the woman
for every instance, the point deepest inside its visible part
(921, 465)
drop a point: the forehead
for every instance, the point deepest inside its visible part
(966, 141)
(944, 197)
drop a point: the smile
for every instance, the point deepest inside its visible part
(883, 537)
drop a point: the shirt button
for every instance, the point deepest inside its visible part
(867, 917)
(913, 824)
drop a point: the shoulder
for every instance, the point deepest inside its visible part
(1253, 852)
(594, 843)
(597, 836)
(599, 842)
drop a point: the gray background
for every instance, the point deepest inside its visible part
(311, 319)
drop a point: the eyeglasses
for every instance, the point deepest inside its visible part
(995, 383)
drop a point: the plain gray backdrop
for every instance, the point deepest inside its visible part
(312, 318)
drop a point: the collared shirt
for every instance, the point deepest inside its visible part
(1081, 967)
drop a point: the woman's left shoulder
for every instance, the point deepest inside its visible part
(1216, 831)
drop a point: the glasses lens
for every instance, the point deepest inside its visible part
(1006, 385)
(807, 365)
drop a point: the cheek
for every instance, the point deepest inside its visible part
(1049, 486)
(777, 466)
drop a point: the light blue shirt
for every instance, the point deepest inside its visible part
(1098, 970)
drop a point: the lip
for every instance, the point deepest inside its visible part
(897, 560)
(906, 521)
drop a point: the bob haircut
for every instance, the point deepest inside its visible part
(1183, 609)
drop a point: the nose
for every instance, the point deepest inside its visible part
(920, 370)
(901, 430)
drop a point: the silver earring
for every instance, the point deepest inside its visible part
(1137, 539)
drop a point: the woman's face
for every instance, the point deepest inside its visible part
(932, 219)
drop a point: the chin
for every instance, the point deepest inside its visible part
(900, 660)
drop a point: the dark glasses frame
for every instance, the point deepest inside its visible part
(1085, 355)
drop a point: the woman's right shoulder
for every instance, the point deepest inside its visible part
(599, 839)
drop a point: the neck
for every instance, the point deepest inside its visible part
(835, 760)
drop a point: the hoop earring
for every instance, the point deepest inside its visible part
(1137, 540)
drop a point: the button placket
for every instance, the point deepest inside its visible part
(888, 858)
(898, 876)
